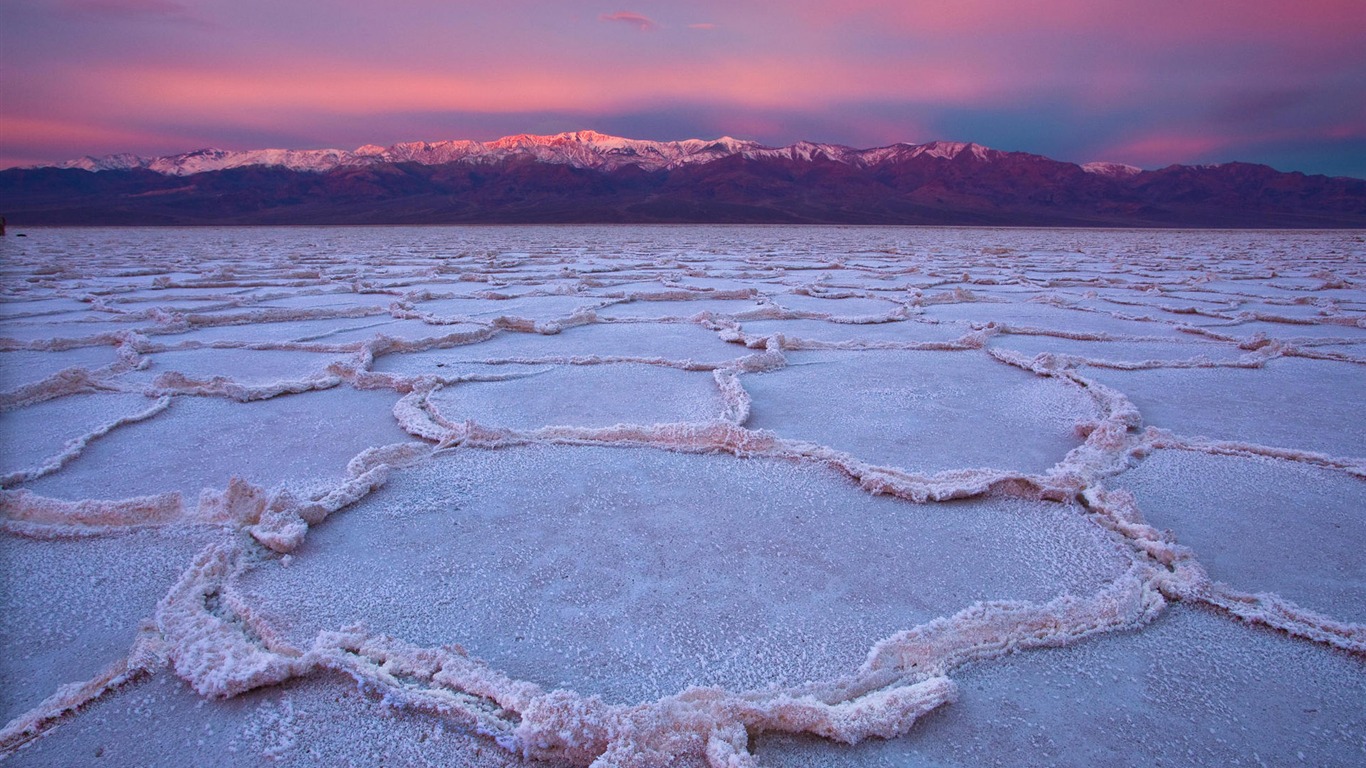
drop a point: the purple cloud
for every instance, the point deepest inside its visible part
(127, 7)
(134, 10)
(643, 23)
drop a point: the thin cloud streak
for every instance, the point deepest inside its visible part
(643, 23)
(126, 7)
(134, 11)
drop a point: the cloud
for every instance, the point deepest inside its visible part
(1161, 148)
(704, 25)
(127, 8)
(643, 23)
(134, 10)
(31, 140)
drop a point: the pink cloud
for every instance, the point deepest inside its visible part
(1345, 131)
(704, 25)
(105, 11)
(1164, 149)
(339, 87)
(1153, 22)
(643, 23)
(41, 139)
(127, 7)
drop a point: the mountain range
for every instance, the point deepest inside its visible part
(591, 177)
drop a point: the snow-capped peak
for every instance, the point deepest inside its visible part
(580, 149)
(1115, 170)
(120, 162)
(951, 150)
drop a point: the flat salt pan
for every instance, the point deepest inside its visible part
(1263, 525)
(1120, 351)
(448, 362)
(635, 573)
(1317, 311)
(1277, 288)
(34, 433)
(15, 309)
(85, 330)
(331, 301)
(1193, 689)
(922, 411)
(622, 284)
(904, 331)
(407, 330)
(841, 307)
(322, 721)
(303, 441)
(503, 288)
(1357, 349)
(451, 286)
(1033, 315)
(671, 341)
(245, 366)
(1289, 331)
(321, 331)
(1311, 405)
(679, 309)
(20, 367)
(585, 396)
(725, 283)
(70, 608)
(176, 298)
(539, 308)
(981, 290)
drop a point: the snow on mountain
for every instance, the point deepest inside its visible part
(579, 149)
(1117, 170)
(951, 150)
(803, 150)
(120, 162)
(201, 160)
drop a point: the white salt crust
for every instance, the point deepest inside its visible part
(678, 496)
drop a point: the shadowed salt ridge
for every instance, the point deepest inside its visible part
(640, 496)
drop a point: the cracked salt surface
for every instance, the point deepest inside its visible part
(922, 411)
(635, 573)
(1288, 402)
(244, 366)
(186, 448)
(1189, 689)
(1314, 516)
(42, 430)
(62, 629)
(21, 367)
(647, 496)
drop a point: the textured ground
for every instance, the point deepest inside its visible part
(638, 496)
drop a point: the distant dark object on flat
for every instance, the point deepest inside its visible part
(591, 178)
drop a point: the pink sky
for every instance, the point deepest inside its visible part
(1150, 83)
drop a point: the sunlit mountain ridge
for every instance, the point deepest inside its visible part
(589, 177)
(578, 149)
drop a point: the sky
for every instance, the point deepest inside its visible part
(1280, 82)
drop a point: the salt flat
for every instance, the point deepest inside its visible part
(654, 496)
